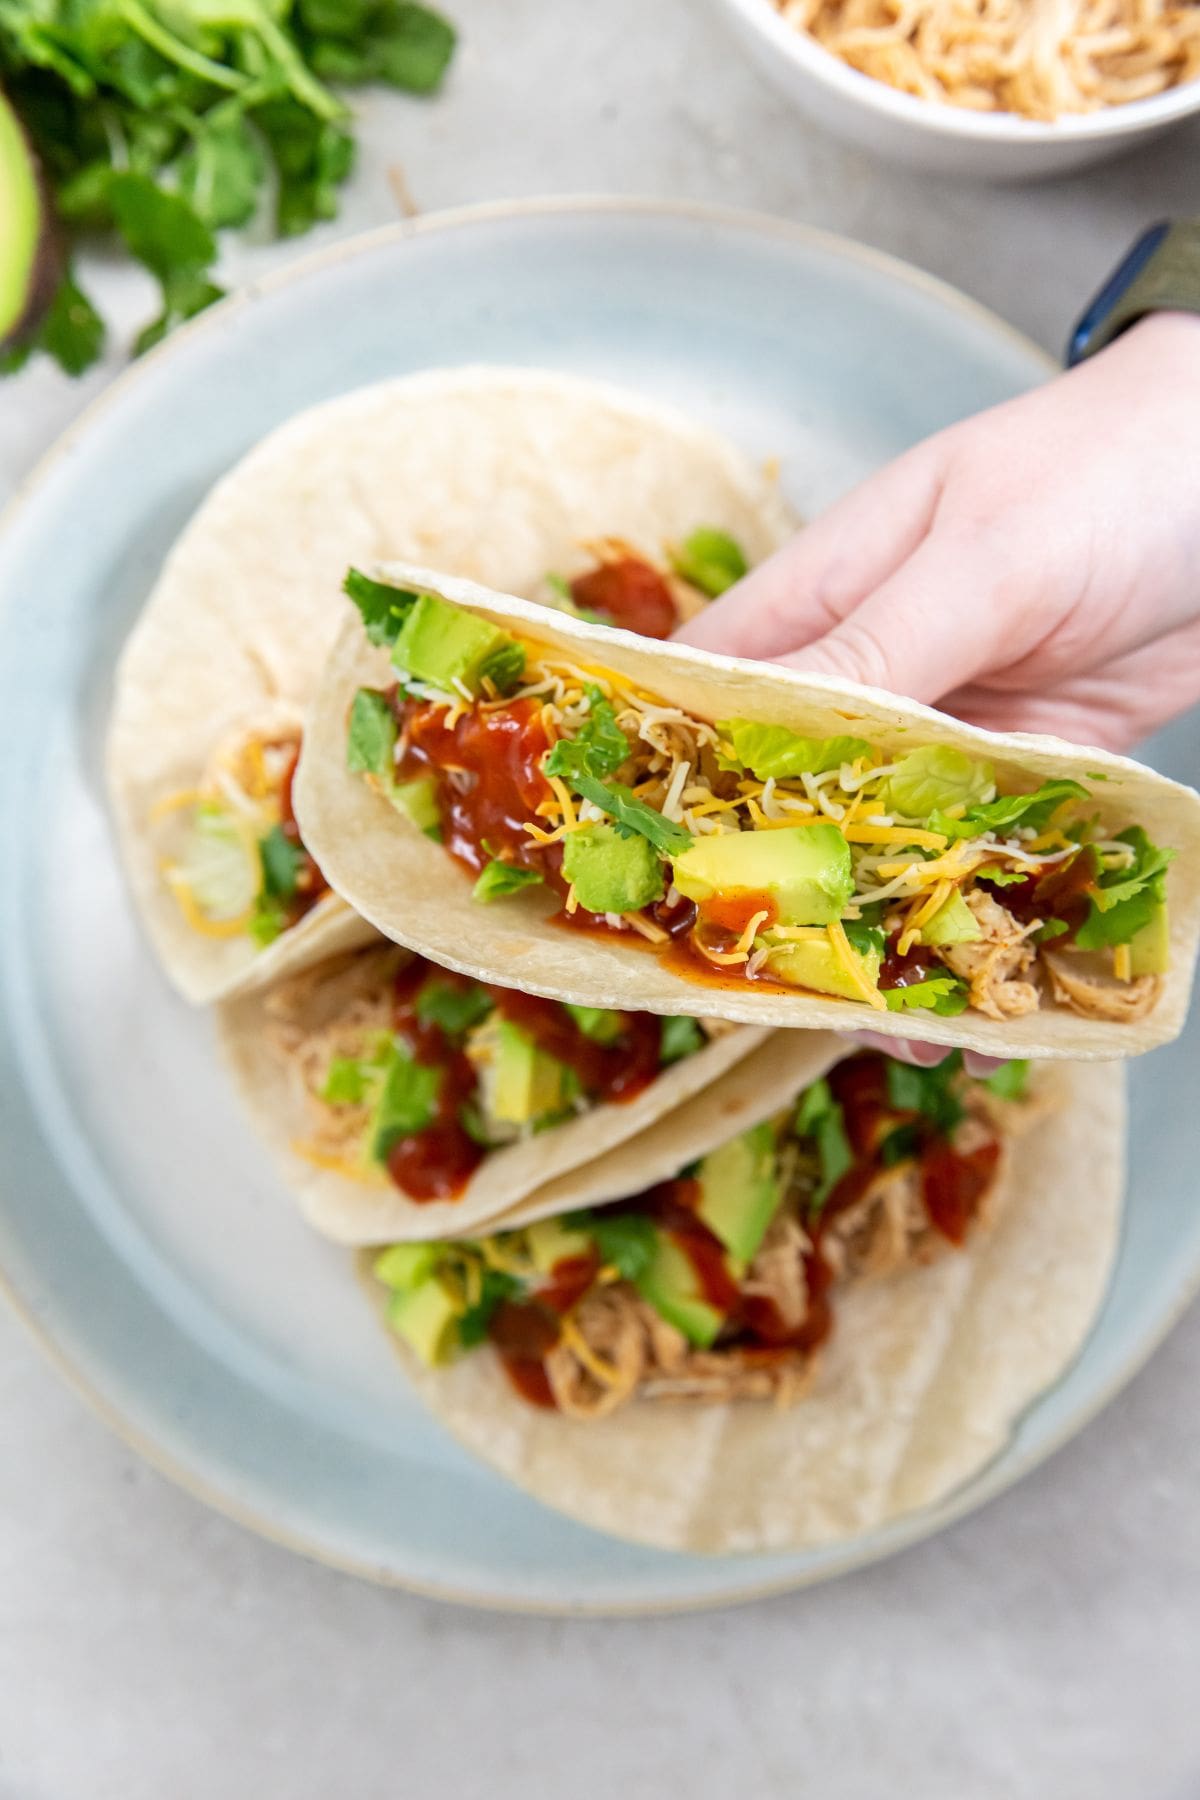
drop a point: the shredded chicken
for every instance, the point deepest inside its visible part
(1083, 981)
(777, 1271)
(714, 1376)
(995, 965)
(885, 1229)
(611, 1325)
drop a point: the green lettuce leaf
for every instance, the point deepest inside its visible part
(1009, 1081)
(500, 879)
(1003, 815)
(772, 751)
(681, 1037)
(453, 1006)
(820, 1116)
(710, 559)
(282, 861)
(371, 738)
(935, 777)
(930, 1092)
(1126, 900)
(597, 1022)
(407, 1102)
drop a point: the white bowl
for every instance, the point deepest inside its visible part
(946, 140)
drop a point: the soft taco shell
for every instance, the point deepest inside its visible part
(498, 474)
(611, 1150)
(922, 1384)
(413, 891)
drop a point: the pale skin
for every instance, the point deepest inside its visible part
(1034, 568)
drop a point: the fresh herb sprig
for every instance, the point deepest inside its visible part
(162, 124)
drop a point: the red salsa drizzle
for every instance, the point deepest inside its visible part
(953, 1183)
(616, 1071)
(1061, 893)
(437, 1162)
(628, 592)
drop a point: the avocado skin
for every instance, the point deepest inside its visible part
(31, 257)
(803, 870)
(740, 1190)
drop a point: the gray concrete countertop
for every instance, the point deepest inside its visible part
(1047, 1647)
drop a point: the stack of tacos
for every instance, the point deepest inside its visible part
(530, 932)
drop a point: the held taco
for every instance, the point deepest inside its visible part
(859, 1295)
(571, 492)
(406, 1101)
(736, 838)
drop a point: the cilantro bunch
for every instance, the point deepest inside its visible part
(162, 122)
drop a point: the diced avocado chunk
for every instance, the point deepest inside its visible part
(407, 1265)
(952, 923)
(426, 1318)
(417, 799)
(611, 873)
(522, 1083)
(1150, 948)
(804, 871)
(550, 1242)
(740, 1190)
(671, 1285)
(445, 646)
(814, 963)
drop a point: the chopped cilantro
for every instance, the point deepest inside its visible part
(1125, 900)
(504, 667)
(864, 937)
(633, 817)
(383, 608)
(597, 1023)
(901, 1143)
(500, 879)
(453, 1006)
(281, 861)
(930, 1092)
(710, 560)
(681, 1037)
(160, 122)
(945, 995)
(598, 748)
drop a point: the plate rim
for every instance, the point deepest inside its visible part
(76, 1373)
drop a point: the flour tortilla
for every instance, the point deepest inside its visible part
(498, 474)
(739, 1077)
(407, 886)
(922, 1384)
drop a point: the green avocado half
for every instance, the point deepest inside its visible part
(29, 259)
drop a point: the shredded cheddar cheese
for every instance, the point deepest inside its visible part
(844, 951)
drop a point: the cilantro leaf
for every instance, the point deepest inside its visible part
(626, 1240)
(1050, 929)
(496, 1287)
(504, 667)
(681, 1036)
(500, 879)
(371, 739)
(819, 1116)
(945, 995)
(453, 1006)
(281, 861)
(710, 560)
(221, 175)
(930, 1092)
(866, 938)
(598, 748)
(383, 608)
(72, 332)
(632, 816)
(1126, 900)
(899, 1144)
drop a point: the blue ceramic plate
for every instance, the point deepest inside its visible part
(142, 1232)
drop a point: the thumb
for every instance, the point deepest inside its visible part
(931, 627)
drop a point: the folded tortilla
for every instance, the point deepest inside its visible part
(922, 1384)
(610, 1149)
(498, 474)
(412, 890)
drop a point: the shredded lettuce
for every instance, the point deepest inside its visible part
(504, 667)
(627, 1241)
(710, 559)
(597, 1023)
(930, 1092)
(1009, 1081)
(453, 1006)
(371, 738)
(681, 1037)
(500, 879)
(407, 1102)
(933, 778)
(774, 752)
(820, 1116)
(1126, 900)
(1010, 810)
(281, 860)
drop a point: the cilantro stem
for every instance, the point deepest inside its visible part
(169, 46)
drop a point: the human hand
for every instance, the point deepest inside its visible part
(1035, 568)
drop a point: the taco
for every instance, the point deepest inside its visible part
(570, 492)
(406, 1101)
(737, 838)
(856, 1299)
